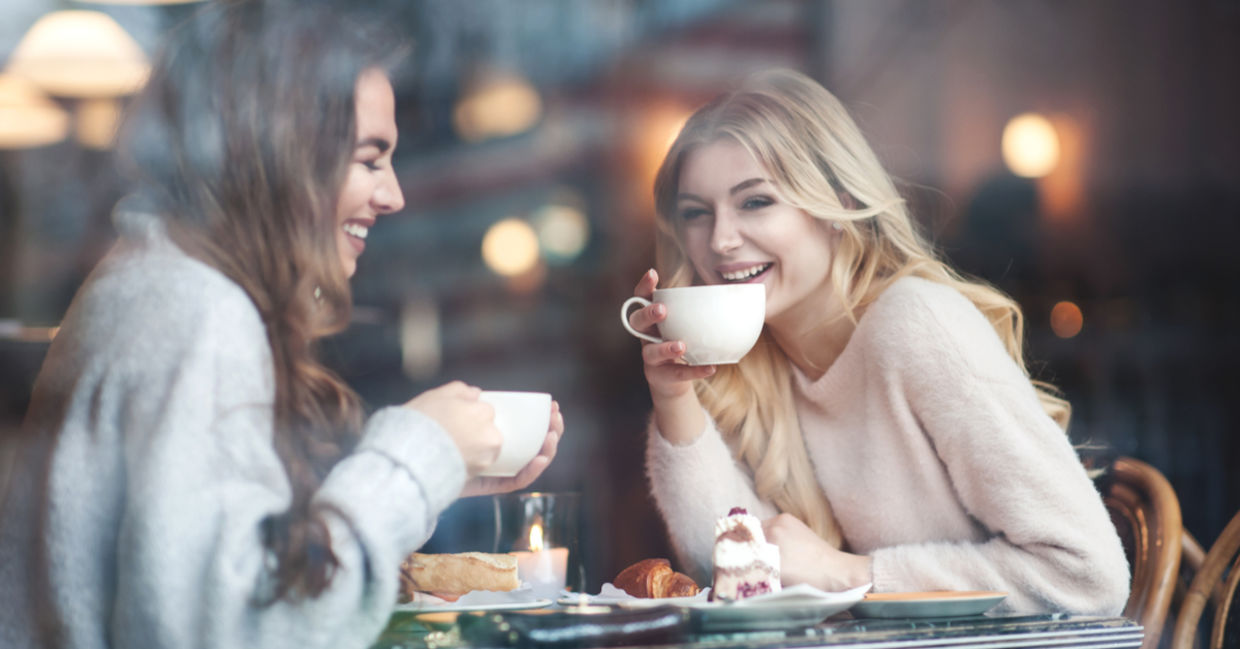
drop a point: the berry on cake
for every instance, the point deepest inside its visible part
(745, 564)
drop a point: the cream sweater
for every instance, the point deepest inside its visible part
(937, 459)
(133, 516)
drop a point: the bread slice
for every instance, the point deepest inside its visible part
(457, 574)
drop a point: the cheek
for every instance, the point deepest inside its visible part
(697, 248)
(353, 195)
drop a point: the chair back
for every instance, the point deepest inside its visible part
(1216, 582)
(1146, 514)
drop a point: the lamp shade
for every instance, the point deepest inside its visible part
(28, 118)
(79, 53)
(138, 2)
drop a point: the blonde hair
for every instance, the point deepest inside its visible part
(820, 162)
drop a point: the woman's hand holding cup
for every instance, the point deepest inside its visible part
(685, 332)
(483, 485)
(468, 420)
(667, 374)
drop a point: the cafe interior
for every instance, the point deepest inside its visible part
(1084, 158)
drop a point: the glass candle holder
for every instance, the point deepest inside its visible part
(541, 529)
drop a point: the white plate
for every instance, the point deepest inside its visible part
(455, 607)
(930, 604)
(609, 595)
(792, 607)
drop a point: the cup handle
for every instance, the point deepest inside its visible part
(624, 318)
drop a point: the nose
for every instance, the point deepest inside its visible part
(387, 197)
(726, 235)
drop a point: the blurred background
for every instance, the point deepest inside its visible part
(1082, 156)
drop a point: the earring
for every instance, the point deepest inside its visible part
(835, 225)
(318, 293)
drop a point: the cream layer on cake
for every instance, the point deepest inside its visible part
(745, 564)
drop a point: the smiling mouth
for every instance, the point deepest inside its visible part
(356, 230)
(745, 274)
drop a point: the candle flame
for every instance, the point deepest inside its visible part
(536, 537)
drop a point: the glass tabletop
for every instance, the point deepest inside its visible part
(662, 628)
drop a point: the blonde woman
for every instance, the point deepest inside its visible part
(885, 427)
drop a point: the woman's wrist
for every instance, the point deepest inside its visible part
(862, 570)
(679, 419)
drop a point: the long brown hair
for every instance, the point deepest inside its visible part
(821, 163)
(241, 140)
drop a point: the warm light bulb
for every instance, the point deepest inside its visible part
(510, 247)
(1030, 146)
(1066, 319)
(497, 106)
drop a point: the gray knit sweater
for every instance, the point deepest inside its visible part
(132, 518)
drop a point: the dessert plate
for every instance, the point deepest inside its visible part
(946, 603)
(609, 595)
(460, 606)
(479, 600)
(792, 607)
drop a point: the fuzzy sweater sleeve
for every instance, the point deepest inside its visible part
(1049, 540)
(188, 388)
(693, 485)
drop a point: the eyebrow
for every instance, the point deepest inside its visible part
(738, 187)
(377, 142)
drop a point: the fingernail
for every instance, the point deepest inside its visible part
(678, 347)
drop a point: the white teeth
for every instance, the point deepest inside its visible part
(742, 275)
(359, 231)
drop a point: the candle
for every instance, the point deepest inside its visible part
(544, 569)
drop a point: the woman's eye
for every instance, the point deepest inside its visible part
(691, 213)
(372, 165)
(757, 202)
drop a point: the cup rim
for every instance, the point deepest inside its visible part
(517, 392)
(670, 289)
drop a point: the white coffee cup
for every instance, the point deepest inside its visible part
(718, 323)
(523, 418)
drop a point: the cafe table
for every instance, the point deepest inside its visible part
(562, 629)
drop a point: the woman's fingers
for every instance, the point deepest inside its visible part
(645, 318)
(645, 285)
(660, 353)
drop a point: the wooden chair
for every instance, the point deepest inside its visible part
(1146, 513)
(1216, 582)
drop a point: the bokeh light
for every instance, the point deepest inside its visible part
(1066, 319)
(510, 247)
(498, 105)
(77, 53)
(28, 118)
(1030, 145)
(562, 232)
(97, 122)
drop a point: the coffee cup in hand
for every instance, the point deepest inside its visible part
(523, 418)
(718, 323)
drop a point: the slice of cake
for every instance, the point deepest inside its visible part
(745, 564)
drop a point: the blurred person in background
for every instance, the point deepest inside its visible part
(885, 426)
(190, 475)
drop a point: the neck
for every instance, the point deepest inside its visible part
(813, 336)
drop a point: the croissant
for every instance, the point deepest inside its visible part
(655, 578)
